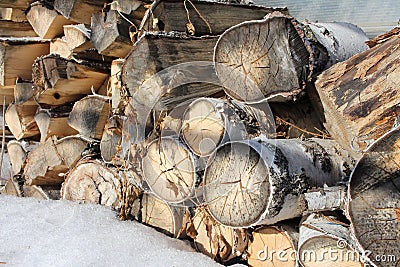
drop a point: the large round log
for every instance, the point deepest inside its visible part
(268, 241)
(169, 169)
(250, 183)
(325, 241)
(274, 57)
(374, 204)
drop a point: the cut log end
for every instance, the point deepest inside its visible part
(169, 170)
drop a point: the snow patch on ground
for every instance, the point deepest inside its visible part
(60, 233)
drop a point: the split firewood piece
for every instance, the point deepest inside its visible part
(110, 34)
(21, 120)
(19, 4)
(110, 144)
(20, 52)
(249, 183)
(135, 8)
(89, 116)
(154, 53)
(18, 152)
(200, 17)
(93, 182)
(156, 213)
(46, 21)
(12, 188)
(48, 163)
(361, 96)
(268, 241)
(9, 28)
(79, 10)
(60, 47)
(169, 169)
(13, 14)
(54, 122)
(280, 54)
(59, 81)
(6, 171)
(77, 37)
(23, 93)
(374, 200)
(297, 119)
(208, 122)
(221, 243)
(320, 236)
(41, 192)
(117, 92)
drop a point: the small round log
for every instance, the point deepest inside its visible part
(325, 241)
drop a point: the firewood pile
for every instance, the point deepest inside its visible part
(261, 139)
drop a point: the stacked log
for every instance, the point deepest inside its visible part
(233, 126)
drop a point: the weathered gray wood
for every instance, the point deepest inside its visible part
(110, 34)
(23, 93)
(59, 81)
(18, 152)
(117, 92)
(251, 183)
(89, 116)
(360, 96)
(374, 200)
(46, 21)
(79, 11)
(172, 16)
(41, 192)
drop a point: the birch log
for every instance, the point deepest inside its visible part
(374, 205)
(250, 183)
(325, 241)
(207, 123)
(273, 246)
(361, 97)
(221, 243)
(280, 56)
(169, 169)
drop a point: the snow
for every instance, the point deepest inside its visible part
(60, 233)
